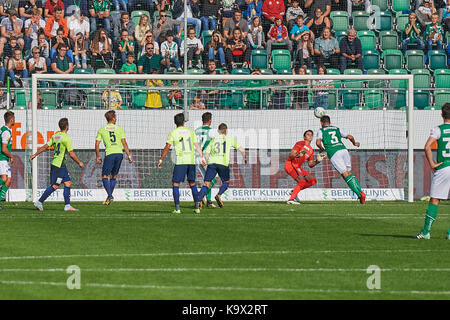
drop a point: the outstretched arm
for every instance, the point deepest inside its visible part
(352, 140)
(319, 145)
(75, 158)
(39, 151)
(242, 150)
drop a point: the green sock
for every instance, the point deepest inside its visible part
(3, 191)
(2, 182)
(430, 216)
(353, 184)
(208, 194)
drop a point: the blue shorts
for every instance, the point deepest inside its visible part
(213, 169)
(180, 171)
(111, 164)
(58, 175)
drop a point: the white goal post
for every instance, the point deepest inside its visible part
(408, 132)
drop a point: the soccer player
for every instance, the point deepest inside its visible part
(185, 143)
(440, 185)
(331, 138)
(61, 143)
(6, 156)
(218, 163)
(204, 136)
(301, 152)
(113, 138)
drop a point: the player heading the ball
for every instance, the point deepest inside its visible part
(185, 143)
(331, 138)
(6, 157)
(218, 156)
(301, 152)
(113, 138)
(440, 184)
(61, 143)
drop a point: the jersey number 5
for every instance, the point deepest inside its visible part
(112, 136)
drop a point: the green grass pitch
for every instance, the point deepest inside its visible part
(251, 250)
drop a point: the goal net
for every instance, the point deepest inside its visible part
(267, 114)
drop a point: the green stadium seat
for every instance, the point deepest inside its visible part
(383, 20)
(340, 20)
(397, 99)
(381, 4)
(398, 84)
(333, 71)
(239, 71)
(376, 83)
(422, 78)
(83, 71)
(415, 59)
(266, 71)
(105, 71)
(138, 98)
(206, 36)
(259, 59)
(361, 20)
(367, 38)
(442, 78)
(94, 99)
(350, 98)
(441, 97)
(340, 34)
(373, 99)
(20, 99)
(356, 84)
(388, 40)
(437, 59)
(421, 98)
(281, 59)
(392, 59)
(371, 59)
(136, 16)
(400, 5)
(401, 20)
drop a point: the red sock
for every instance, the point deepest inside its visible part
(300, 185)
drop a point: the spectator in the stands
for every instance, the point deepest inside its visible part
(255, 36)
(305, 51)
(318, 23)
(37, 64)
(80, 48)
(209, 13)
(351, 51)
(412, 33)
(254, 9)
(271, 9)
(129, 67)
(278, 33)
(425, 11)
(297, 31)
(126, 44)
(101, 50)
(5, 6)
(161, 4)
(149, 38)
(299, 93)
(338, 5)
(32, 27)
(50, 7)
(117, 4)
(72, 7)
(165, 24)
(321, 96)
(150, 60)
(351, 3)
(57, 40)
(11, 26)
(26, 8)
(236, 51)
(446, 16)
(208, 93)
(17, 67)
(142, 27)
(44, 47)
(10, 47)
(215, 48)
(125, 22)
(169, 49)
(153, 96)
(292, 13)
(99, 11)
(434, 33)
(194, 49)
(55, 22)
(236, 22)
(193, 14)
(79, 24)
(324, 5)
(326, 49)
(62, 64)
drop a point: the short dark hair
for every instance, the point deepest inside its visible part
(63, 123)
(111, 114)
(130, 54)
(8, 116)
(206, 117)
(325, 119)
(124, 13)
(309, 130)
(446, 111)
(222, 126)
(58, 8)
(179, 119)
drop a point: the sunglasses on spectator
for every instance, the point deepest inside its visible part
(163, 15)
(149, 48)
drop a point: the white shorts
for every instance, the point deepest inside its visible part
(5, 169)
(440, 185)
(341, 161)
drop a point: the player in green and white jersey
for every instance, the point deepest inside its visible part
(204, 137)
(6, 156)
(113, 138)
(218, 156)
(329, 138)
(440, 185)
(61, 143)
(185, 143)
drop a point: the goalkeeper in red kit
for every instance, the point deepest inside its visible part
(301, 152)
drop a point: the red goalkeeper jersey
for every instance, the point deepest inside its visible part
(301, 146)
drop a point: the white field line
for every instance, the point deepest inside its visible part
(161, 254)
(215, 288)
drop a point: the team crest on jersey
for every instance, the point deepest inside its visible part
(109, 128)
